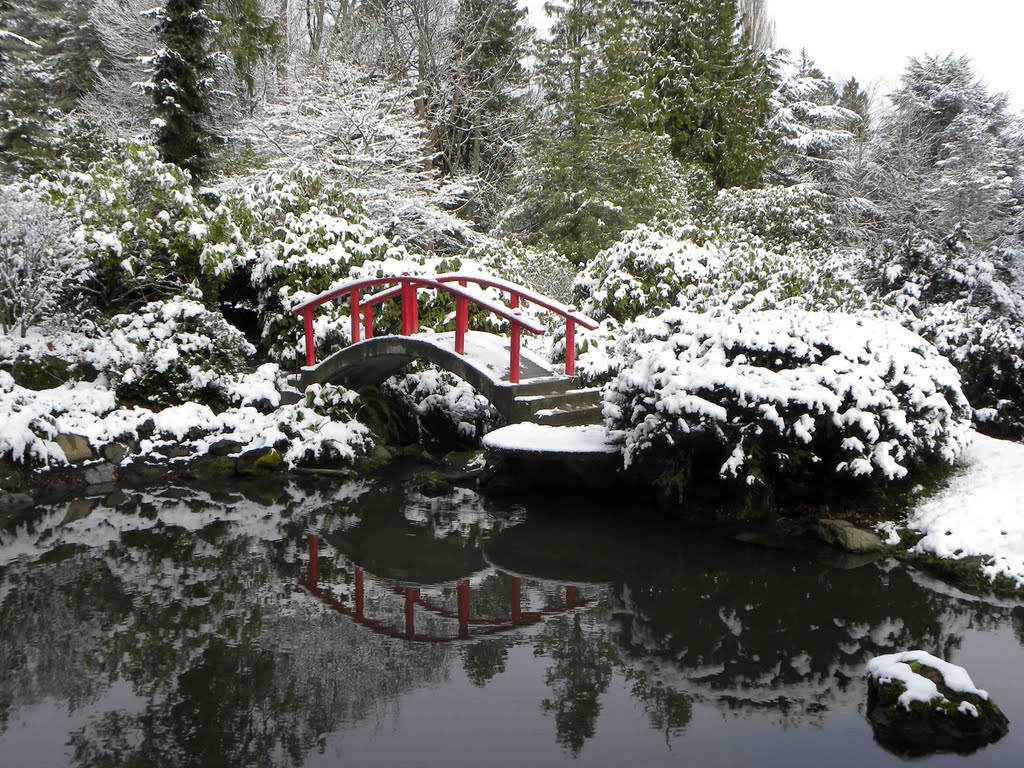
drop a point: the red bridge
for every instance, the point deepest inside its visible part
(521, 385)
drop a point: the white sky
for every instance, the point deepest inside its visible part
(872, 39)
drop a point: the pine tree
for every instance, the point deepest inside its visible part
(948, 155)
(249, 36)
(856, 99)
(682, 69)
(48, 60)
(815, 132)
(181, 84)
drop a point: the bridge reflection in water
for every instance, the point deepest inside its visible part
(430, 600)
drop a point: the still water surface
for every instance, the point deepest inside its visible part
(188, 627)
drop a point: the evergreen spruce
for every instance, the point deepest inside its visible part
(681, 68)
(181, 84)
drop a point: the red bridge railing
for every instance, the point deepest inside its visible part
(407, 290)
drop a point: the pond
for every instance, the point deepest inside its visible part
(191, 626)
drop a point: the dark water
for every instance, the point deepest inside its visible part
(186, 627)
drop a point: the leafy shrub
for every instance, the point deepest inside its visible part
(145, 230)
(175, 350)
(754, 254)
(782, 406)
(989, 354)
(449, 413)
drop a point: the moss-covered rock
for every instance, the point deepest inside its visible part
(919, 704)
(41, 373)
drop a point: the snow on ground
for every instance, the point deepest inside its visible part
(981, 512)
(540, 438)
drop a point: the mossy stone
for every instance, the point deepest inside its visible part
(46, 372)
(934, 726)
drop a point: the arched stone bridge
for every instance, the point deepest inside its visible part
(520, 385)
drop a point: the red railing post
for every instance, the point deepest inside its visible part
(517, 599)
(570, 347)
(461, 324)
(368, 321)
(513, 300)
(513, 366)
(354, 310)
(359, 593)
(570, 597)
(307, 324)
(463, 599)
(414, 319)
(411, 593)
(405, 304)
(314, 559)
(410, 309)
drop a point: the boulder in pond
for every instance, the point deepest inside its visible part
(848, 537)
(919, 704)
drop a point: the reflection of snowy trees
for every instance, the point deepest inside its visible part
(192, 600)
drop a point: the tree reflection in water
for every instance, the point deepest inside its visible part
(193, 600)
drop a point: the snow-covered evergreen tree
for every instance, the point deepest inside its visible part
(948, 154)
(682, 68)
(815, 131)
(181, 83)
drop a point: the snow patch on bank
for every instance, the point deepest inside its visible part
(981, 512)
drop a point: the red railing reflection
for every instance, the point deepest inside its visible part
(415, 601)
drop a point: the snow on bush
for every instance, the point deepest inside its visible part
(175, 350)
(40, 268)
(321, 428)
(773, 401)
(448, 412)
(971, 306)
(146, 231)
(989, 353)
(753, 255)
(308, 253)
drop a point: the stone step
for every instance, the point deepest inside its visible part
(526, 406)
(552, 385)
(290, 396)
(568, 417)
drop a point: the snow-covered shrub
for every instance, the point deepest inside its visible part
(782, 406)
(970, 304)
(776, 218)
(449, 413)
(145, 229)
(989, 353)
(310, 250)
(754, 254)
(175, 350)
(320, 428)
(39, 266)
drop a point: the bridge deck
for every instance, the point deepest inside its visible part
(490, 354)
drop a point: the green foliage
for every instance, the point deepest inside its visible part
(181, 84)
(750, 249)
(174, 351)
(585, 190)
(143, 226)
(680, 68)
